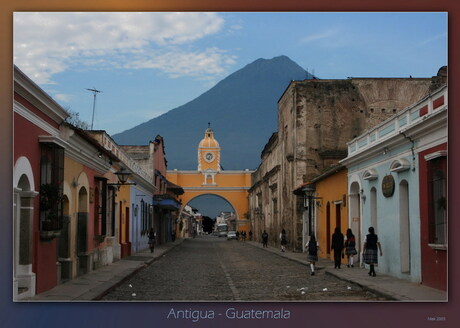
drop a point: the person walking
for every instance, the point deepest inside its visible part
(312, 248)
(350, 247)
(370, 250)
(151, 236)
(250, 235)
(265, 239)
(243, 235)
(283, 239)
(337, 246)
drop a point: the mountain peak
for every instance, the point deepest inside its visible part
(242, 108)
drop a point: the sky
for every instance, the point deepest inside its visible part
(147, 63)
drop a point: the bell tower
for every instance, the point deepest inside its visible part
(209, 157)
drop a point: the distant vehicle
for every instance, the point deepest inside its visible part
(231, 235)
(222, 230)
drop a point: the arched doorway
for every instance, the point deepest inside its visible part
(23, 216)
(82, 232)
(373, 205)
(404, 227)
(355, 213)
(64, 244)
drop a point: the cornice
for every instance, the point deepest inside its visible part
(34, 119)
(30, 91)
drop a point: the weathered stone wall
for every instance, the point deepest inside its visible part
(316, 119)
(264, 195)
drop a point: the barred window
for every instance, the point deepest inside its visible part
(51, 187)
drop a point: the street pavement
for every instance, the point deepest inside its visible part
(97, 283)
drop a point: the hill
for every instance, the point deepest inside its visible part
(242, 109)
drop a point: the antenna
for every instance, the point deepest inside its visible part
(95, 92)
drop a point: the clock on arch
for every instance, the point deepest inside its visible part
(208, 157)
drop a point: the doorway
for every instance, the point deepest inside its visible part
(404, 227)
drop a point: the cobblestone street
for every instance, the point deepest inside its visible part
(209, 268)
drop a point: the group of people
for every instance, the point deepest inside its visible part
(347, 246)
(283, 240)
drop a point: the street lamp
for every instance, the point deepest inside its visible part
(123, 176)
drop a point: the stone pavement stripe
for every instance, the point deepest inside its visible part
(235, 292)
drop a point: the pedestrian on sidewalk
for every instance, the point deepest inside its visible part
(283, 239)
(265, 239)
(350, 247)
(312, 253)
(243, 234)
(250, 235)
(337, 246)
(370, 250)
(151, 236)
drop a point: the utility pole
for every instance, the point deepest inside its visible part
(95, 92)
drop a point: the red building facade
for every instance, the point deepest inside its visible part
(433, 216)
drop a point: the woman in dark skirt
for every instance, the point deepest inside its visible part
(370, 250)
(350, 247)
(312, 253)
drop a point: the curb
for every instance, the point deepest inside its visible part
(365, 287)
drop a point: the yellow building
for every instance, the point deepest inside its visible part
(331, 207)
(210, 179)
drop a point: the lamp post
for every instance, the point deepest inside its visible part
(309, 192)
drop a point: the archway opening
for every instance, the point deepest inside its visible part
(212, 208)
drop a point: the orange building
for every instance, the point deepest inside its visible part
(331, 207)
(210, 179)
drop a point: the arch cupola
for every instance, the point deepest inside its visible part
(209, 152)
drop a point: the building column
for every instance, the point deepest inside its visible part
(23, 277)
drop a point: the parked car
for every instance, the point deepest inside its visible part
(231, 235)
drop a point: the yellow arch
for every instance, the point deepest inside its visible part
(232, 186)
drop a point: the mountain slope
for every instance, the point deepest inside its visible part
(242, 109)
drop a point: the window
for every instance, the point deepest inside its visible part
(51, 195)
(101, 208)
(437, 174)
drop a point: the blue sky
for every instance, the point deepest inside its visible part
(146, 64)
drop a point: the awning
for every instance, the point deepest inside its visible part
(166, 202)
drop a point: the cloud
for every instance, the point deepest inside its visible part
(63, 97)
(209, 62)
(49, 43)
(333, 37)
(442, 37)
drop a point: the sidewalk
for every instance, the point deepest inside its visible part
(97, 283)
(391, 288)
